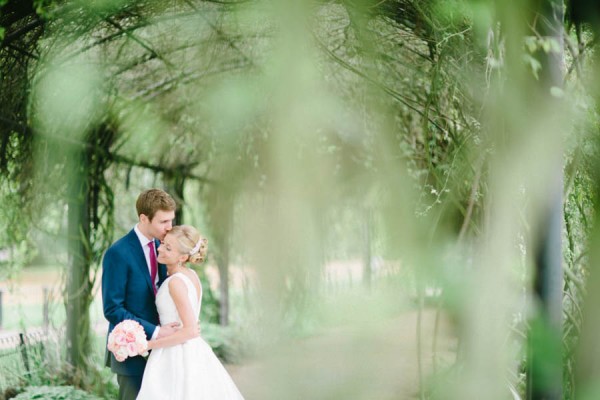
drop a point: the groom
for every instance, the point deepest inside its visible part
(130, 277)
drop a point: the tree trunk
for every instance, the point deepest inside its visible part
(89, 234)
(587, 12)
(367, 247)
(545, 336)
(220, 205)
(223, 264)
(175, 185)
(78, 290)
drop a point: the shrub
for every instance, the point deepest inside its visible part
(223, 341)
(54, 393)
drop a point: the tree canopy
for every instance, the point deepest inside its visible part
(454, 127)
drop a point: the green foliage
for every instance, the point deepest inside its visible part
(47, 367)
(42, 7)
(210, 303)
(578, 214)
(55, 393)
(303, 135)
(547, 362)
(224, 341)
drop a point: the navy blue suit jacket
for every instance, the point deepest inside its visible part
(127, 293)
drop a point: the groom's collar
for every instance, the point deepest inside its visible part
(142, 238)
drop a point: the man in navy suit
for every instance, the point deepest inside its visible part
(130, 277)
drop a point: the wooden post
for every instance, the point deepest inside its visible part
(224, 291)
(23, 347)
(1, 308)
(367, 255)
(46, 310)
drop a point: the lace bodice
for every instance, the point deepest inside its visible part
(165, 305)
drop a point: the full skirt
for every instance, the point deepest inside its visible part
(185, 372)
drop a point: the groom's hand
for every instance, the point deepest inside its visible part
(168, 330)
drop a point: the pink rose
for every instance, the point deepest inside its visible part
(120, 339)
(118, 330)
(130, 337)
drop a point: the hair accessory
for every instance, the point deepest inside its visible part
(196, 247)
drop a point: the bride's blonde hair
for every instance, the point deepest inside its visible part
(190, 242)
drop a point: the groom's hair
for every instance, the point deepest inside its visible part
(152, 200)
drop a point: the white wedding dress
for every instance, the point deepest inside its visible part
(186, 371)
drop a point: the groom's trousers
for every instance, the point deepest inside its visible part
(129, 386)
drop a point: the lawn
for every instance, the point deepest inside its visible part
(23, 301)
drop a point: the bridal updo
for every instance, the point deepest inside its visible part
(190, 243)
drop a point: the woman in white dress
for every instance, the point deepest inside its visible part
(183, 366)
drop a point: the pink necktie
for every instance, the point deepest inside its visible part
(153, 265)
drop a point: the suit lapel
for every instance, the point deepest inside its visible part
(139, 258)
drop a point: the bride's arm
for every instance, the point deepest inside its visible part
(189, 330)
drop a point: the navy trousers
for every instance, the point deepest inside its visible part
(129, 386)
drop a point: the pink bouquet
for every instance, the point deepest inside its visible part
(127, 339)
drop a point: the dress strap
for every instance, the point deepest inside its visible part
(189, 284)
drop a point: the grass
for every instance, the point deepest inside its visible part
(23, 299)
(22, 317)
(25, 317)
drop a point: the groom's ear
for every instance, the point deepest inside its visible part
(144, 219)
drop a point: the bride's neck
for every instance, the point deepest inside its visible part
(173, 269)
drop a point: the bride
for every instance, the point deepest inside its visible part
(183, 366)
